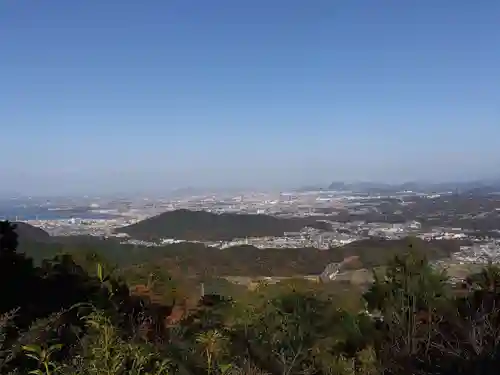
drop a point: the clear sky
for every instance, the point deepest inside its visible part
(117, 95)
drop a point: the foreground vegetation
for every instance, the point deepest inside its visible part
(79, 315)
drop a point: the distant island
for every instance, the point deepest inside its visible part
(206, 226)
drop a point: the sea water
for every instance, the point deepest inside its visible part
(21, 213)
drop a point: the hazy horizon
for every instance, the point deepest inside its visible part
(102, 97)
(159, 191)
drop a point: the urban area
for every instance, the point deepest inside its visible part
(348, 217)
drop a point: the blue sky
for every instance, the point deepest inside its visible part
(101, 96)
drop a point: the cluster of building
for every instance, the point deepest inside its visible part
(77, 227)
(479, 253)
(326, 204)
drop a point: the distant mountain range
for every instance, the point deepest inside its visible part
(477, 186)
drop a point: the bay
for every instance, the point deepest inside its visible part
(21, 213)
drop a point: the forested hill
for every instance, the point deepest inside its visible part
(202, 225)
(30, 233)
(197, 259)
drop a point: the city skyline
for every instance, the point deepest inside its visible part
(125, 96)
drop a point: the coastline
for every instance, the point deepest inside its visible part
(27, 214)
